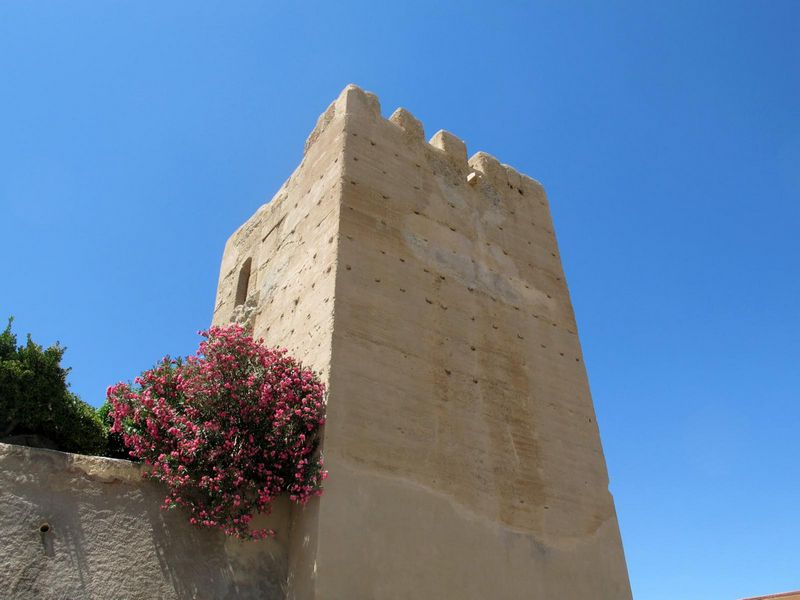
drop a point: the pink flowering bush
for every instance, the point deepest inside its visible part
(227, 430)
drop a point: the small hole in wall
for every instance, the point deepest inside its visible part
(243, 282)
(44, 527)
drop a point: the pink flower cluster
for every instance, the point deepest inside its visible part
(228, 429)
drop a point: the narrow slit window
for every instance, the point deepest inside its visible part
(243, 284)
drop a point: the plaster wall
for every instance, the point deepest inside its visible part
(108, 538)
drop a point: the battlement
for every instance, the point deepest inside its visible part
(356, 104)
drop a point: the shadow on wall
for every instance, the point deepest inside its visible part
(88, 527)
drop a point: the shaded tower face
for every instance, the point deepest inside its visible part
(427, 288)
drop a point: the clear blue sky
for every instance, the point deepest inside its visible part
(136, 136)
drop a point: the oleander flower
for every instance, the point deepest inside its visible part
(227, 430)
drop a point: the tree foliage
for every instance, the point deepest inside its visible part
(35, 398)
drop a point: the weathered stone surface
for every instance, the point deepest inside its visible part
(108, 539)
(464, 457)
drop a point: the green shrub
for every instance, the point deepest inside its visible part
(35, 399)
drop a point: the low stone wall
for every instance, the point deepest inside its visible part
(108, 538)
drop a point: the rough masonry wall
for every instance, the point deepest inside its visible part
(464, 456)
(108, 538)
(288, 247)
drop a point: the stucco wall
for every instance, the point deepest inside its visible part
(109, 539)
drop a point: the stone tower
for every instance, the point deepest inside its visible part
(426, 288)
